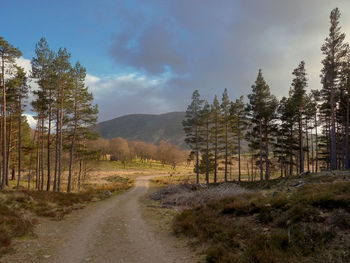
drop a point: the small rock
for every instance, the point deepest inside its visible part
(46, 256)
(299, 183)
(107, 193)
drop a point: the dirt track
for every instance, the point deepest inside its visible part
(108, 231)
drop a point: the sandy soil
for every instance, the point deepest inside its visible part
(113, 230)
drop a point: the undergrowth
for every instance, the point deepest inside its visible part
(310, 223)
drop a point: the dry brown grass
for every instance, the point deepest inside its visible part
(19, 209)
(290, 221)
(190, 195)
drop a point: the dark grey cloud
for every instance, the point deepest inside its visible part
(212, 45)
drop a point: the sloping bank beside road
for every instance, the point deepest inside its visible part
(296, 219)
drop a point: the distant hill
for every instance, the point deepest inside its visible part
(146, 127)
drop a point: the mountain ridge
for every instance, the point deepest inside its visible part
(151, 128)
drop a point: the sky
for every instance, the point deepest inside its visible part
(148, 56)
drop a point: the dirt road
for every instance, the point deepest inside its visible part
(108, 231)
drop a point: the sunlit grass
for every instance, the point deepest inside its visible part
(19, 208)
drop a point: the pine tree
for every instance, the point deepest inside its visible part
(82, 113)
(191, 125)
(284, 142)
(215, 132)
(62, 69)
(262, 110)
(205, 135)
(239, 125)
(316, 98)
(20, 91)
(334, 50)
(8, 53)
(345, 88)
(298, 96)
(225, 123)
(11, 101)
(43, 72)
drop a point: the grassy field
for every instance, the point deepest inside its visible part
(137, 164)
(298, 219)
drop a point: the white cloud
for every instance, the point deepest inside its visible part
(91, 79)
(31, 121)
(128, 93)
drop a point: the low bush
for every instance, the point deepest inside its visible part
(286, 225)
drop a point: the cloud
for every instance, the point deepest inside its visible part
(213, 45)
(163, 50)
(128, 93)
(31, 121)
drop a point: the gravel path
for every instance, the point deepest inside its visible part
(108, 231)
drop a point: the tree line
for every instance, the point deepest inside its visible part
(303, 132)
(64, 112)
(119, 149)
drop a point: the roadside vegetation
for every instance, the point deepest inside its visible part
(20, 210)
(298, 219)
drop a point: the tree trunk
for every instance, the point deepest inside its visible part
(56, 150)
(30, 168)
(9, 149)
(207, 153)
(260, 149)
(197, 156)
(49, 144)
(226, 150)
(282, 159)
(239, 155)
(346, 141)
(248, 170)
(333, 149)
(72, 148)
(19, 139)
(3, 123)
(312, 151)
(301, 150)
(307, 146)
(13, 176)
(252, 160)
(79, 176)
(216, 151)
(267, 172)
(42, 151)
(37, 159)
(60, 148)
(291, 152)
(316, 142)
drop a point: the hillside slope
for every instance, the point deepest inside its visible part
(146, 127)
